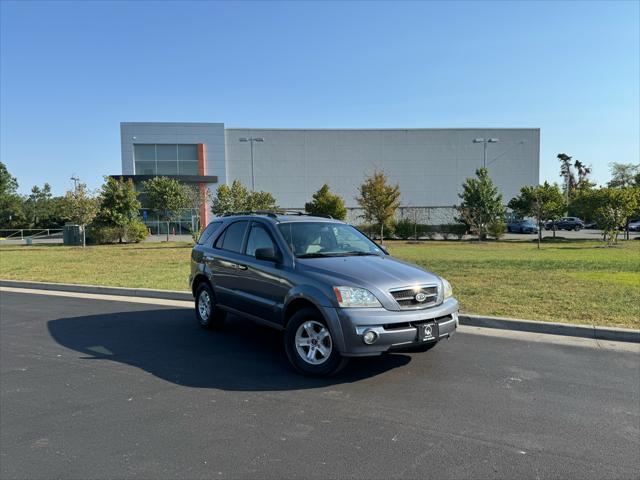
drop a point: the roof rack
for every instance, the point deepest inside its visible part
(270, 213)
(274, 213)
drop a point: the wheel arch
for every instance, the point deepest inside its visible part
(301, 301)
(197, 280)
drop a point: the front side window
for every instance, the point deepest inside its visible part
(325, 239)
(231, 238)
(258, 238)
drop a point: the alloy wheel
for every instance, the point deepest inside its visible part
(313, 342)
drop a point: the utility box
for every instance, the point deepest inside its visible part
(72, 234)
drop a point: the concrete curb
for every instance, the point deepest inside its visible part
(100, 290)
(552, 328)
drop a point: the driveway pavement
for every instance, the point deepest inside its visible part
(108, 389)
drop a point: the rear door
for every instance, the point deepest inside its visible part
(225, 262)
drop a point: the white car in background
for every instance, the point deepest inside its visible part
(634, 225)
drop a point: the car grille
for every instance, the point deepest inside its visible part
(406, 297)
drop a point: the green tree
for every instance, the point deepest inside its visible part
(379, 200)
(41, 208)
(119, 205)
(481, 203)
(261, 201)
(167, 198)
(8, 183)
(11, 211)
(543, 202)
(80, 207)
(238, 199)
(616, 206)
(624, 175)
(196, 199)
(566, 172)
(326, 203)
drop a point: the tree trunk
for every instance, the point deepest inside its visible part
(167, 230)
(554, 230)
(84, 237)
(381, 233)
(539, 234)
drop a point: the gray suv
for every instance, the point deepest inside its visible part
(334, 292)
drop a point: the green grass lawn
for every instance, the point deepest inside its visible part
(579, 282)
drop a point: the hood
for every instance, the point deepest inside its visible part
(378, 274)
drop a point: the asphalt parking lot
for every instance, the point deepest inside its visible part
(585, 234)
(105, 389)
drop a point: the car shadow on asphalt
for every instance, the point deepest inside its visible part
(169, 344)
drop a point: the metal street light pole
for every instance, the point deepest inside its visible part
(251, 140)
(75, 182)
(484, 141)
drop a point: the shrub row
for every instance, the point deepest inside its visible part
(405, 230)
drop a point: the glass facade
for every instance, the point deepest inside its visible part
(165, 159)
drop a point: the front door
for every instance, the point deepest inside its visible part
(264, 286)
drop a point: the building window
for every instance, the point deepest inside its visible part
(165, 159)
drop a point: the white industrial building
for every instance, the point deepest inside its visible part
(430, 165)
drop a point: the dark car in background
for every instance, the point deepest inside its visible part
(565, 223)
(333, 292)
(522, 226)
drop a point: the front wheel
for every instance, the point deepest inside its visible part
(309, 345)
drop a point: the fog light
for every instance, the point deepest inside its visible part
(369, 337)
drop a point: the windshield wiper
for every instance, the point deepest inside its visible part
(359, 253)
(313, 255)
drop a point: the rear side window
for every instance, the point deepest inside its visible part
(231, 238)
(208, 232)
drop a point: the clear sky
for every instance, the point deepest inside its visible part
(72, 71)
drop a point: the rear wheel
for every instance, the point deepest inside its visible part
(207, 314)
(309, 345)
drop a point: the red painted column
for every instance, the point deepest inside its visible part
(204, 210)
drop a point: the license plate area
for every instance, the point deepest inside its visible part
(428, 332)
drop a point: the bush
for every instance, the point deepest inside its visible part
(497, 229)
(135, 232)
(100, 234)
(457, 230)
(373, 231)
(405, 229)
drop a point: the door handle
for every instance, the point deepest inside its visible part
(208, 258)
(241, 267)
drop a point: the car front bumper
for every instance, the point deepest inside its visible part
(394, 329)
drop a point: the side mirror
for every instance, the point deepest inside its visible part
(267, 254)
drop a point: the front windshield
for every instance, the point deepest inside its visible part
(325, 239)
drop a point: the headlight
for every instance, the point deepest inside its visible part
(448, 291)
(355, 297)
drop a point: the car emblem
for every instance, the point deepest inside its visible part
(420, 297)
(428, 331)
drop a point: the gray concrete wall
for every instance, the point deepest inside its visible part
(429, 164)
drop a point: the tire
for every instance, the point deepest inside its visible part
(209, 317)
(309, 345)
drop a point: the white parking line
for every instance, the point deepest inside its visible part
(93, 296)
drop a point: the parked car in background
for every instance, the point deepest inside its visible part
(334, 292)
(592, 225)
(522, 226)
(634, 225)
(565, 223)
